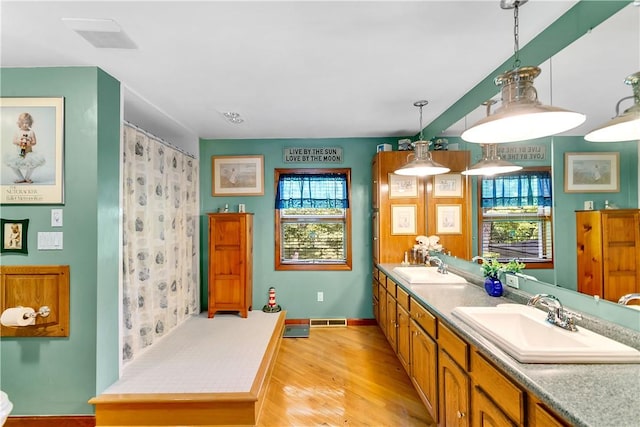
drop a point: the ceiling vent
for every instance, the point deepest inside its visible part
(101, 33)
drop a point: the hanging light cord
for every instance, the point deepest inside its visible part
(516, 36)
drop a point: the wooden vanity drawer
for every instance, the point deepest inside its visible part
(375, 273)
(455, 346)
(504, 393)
(382, 278)
(391, 287)
(403, 298)
(375, 289)
(425, 319)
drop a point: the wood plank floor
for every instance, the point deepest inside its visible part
(341, 377)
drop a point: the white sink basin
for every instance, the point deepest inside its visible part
(426, 275)
(523, 332)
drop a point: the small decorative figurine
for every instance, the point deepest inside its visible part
(271, 306)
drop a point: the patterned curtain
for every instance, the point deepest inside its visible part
(160, 243)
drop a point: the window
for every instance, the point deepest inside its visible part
(313, 219)
(515, 217)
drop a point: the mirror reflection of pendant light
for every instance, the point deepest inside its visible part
(625, 126)
(422, 164)
(521, 116)
(491, 163)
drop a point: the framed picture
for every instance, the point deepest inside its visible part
(448, 219)
(32, 169)
(403, 219)
(237, 175)
(401, 186)
(14, 235)
(591, 172)
(447, 185)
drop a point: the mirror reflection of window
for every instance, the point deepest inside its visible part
(515, 219)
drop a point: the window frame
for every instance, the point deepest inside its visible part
(289, 266)
(531, 265)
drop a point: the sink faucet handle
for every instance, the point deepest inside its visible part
(570, 318)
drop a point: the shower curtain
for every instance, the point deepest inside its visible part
(160, 240)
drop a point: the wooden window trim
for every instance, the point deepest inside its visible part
(347, 265)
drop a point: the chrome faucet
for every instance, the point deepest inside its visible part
(442, 267)
(557, 314)
(624, 299)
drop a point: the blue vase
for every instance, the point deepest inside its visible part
(493, 286)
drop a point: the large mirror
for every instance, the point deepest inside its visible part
(586, 76)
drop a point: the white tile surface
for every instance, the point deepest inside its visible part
(219, 355)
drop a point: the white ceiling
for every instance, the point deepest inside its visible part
(305, 69)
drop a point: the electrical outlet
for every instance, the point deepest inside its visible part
(512, 280)
(320, 296)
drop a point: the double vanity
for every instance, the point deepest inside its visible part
(481, 360)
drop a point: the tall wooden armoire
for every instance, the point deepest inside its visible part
(608, 250)
(230, 262)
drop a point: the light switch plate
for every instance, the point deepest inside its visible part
(512, 280)
(56, 217)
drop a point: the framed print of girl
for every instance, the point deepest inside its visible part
(32, 150)
(26, 159)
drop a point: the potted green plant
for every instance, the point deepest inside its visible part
(491, 268)
(514, 266)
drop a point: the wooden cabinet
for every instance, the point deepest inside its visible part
(403, 332)
(455, 402)
(389, 247)
(424, 367)
(392, 324)
(486, 413)
(454, 392)
(496, 401)
(230, 262)
(608, 251)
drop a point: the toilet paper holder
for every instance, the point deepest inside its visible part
(43, 311)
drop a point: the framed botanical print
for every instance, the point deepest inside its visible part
(447, 185)
(403, 219)
(401, 186)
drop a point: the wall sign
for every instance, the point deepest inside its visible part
(522, 152)
(312, 155)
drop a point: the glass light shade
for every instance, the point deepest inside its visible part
(521, 116)
(423, 164)
(623, 127)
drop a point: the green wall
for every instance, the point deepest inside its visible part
(58, 375)
(346, 293)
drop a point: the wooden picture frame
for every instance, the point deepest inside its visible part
(447, 185)
(32, 158)
(13, 235)
(448, 219)
(403, 219)
(401, 186)
(237, 175)
(592, 172)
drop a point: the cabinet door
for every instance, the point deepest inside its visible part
(392, 323)
(382, 308)
(403, 339)
(454, 393)
(424, 367)
(486, 413)
(621, 246)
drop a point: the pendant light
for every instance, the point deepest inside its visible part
(422, 164)
(521, 116)
(491, 163)
(625, 126)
